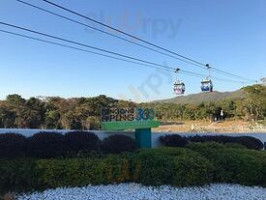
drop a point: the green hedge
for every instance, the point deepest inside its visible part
(234, 165)
(29, 175)
(18, 175)
(179, 167)
(151, 167)
(198, 164)
(172, 166)
(80, 172)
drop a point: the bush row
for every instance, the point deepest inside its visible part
(178, 141)
(53, 144)
(234, 165)
(198, 164)
(177, 167)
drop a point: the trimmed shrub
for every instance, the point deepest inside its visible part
(18, 175)
(152, 168)
(247, 141)
(207, 138)
(190, 167)
(12, 145)
(82, 172)
(242, 166)
(66, 172)
(80, 141)
(116, 144)
(235, 146)
(46, 145)
(172, 166)
(205, 146)
(173, 140)
(114, 169)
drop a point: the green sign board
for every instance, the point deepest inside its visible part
(128, 118)
(142, 120)
(123, 125)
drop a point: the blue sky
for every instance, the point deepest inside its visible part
(229, 35)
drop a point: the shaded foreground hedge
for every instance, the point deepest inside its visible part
(247, 141)
(12, 145)
(198, 164)
(174, 140)
(46, 145)
(79, 141)
(57, 145)
(117, 144)
(76, 143)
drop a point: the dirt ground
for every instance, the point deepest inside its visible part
(233, 126)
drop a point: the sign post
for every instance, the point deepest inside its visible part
(142, 120)
(143, 137)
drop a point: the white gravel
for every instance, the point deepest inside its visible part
(134, 191)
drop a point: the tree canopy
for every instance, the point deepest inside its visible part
(84, 113)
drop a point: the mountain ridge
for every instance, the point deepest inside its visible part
(204, 97)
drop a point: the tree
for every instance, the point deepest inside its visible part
(52, 119)
(15, 99)
(255, 103)
(7, 117)
(93, 123)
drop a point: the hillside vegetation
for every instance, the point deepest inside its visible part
(205, 97)
(249, 103)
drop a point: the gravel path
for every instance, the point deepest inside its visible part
(133, 191)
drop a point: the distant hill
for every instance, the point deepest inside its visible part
(204, 97)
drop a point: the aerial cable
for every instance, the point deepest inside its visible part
(142, 40)
(110, 34)
(122, 32)
(233, 75)
(188, 60)
(84, 45)
(158, 66)
(79, 49)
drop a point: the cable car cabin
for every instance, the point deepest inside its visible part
(179, 88)
(206, 86)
